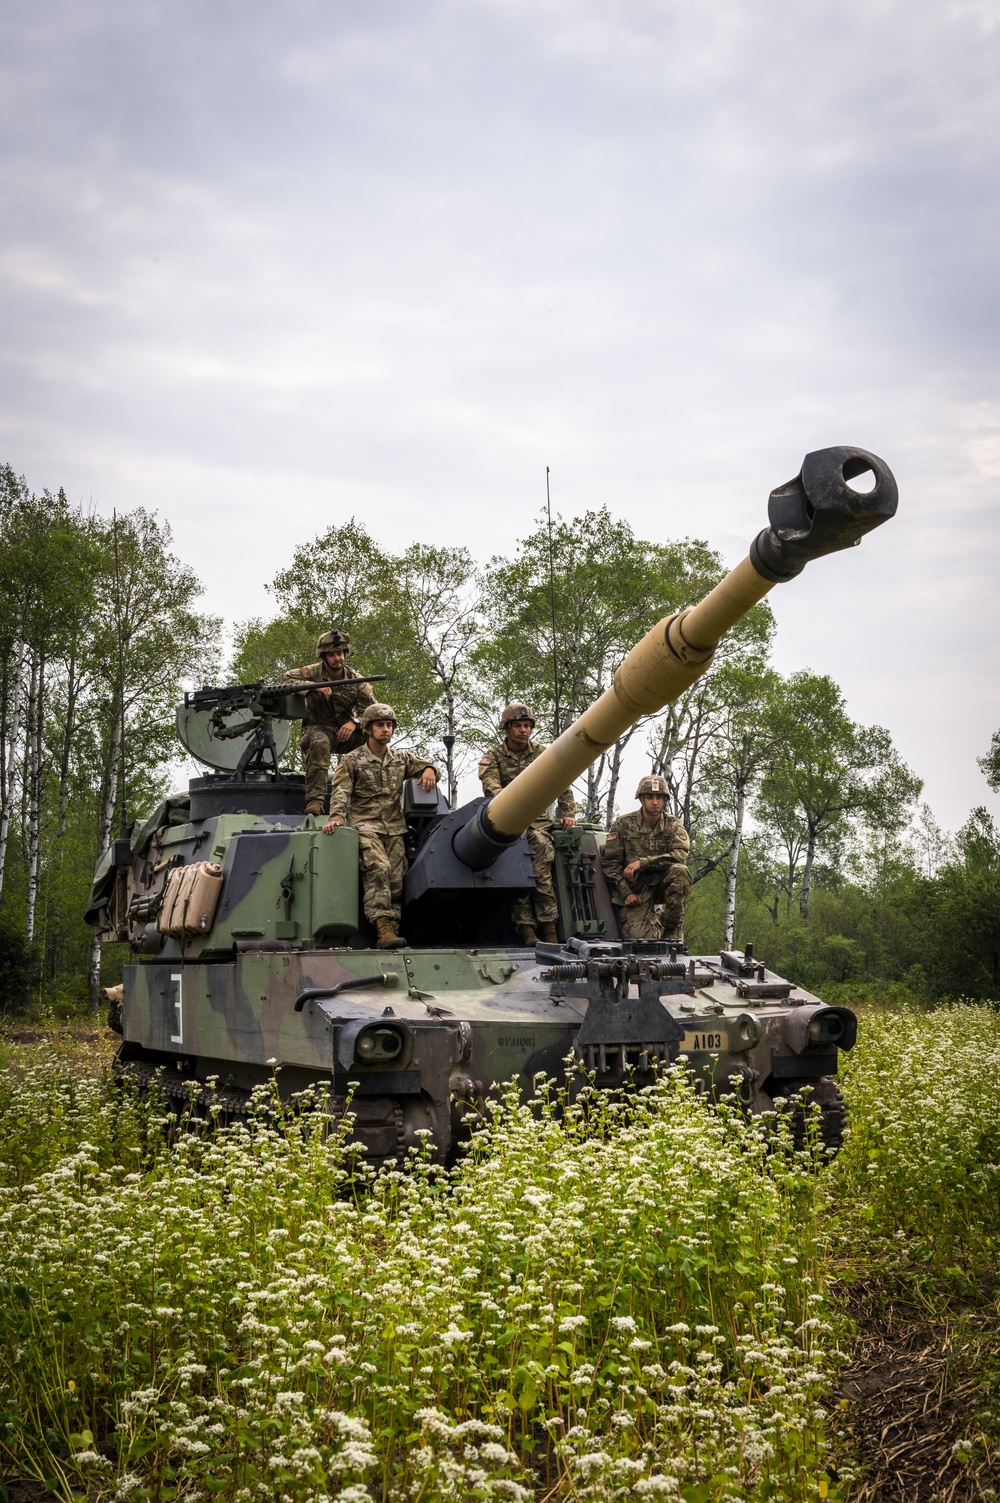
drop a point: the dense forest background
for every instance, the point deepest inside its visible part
(808, 834)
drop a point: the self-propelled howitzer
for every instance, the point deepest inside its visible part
(249, 945)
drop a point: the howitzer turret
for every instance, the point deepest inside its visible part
(249, 942)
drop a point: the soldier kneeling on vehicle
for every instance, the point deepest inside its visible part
(645, 862)
(497, 768)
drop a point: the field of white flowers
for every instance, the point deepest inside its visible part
(603, 1302)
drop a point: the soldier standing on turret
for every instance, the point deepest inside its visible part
(498, 768)
(366, 794)
(645, 861)
(331, 718)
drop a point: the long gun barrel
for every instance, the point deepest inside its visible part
(815, 514)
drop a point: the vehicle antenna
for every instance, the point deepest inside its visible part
(122, 853)
(552, 603)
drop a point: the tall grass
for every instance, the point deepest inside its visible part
(604, 1301)
(917, 1192)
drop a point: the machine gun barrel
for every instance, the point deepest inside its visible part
(325, 683)
(815, 514)
(241, 696)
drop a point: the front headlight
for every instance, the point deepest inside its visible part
(379, 1045)
(828, 1028)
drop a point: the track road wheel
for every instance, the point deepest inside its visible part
(823, 1094)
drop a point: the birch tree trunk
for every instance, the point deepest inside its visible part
(36, 698)
(616, 771)
(69, 728)
(734, 861)
(7, 791)
(104, 839)
(595, 773)
(807, 873)
(450, 750)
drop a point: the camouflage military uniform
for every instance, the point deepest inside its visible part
(324, 716)
(498, 768)
(366, 793)
(661, 851)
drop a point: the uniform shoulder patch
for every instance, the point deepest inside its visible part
(612, 835)
(486, 760)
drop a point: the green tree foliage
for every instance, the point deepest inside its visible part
(18, 967)
(832, 774)
(744, 745)
(605, 588)
(964, 912)
(799, 815)
(411, 616)
(682, 734)
(61, 603)
(990, 764)
(439, 590)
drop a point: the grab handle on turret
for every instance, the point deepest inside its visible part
(816, 513)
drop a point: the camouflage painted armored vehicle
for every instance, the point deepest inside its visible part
(250, 949)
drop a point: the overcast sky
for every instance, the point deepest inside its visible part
(266, 265)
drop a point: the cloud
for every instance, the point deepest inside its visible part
(265, 266)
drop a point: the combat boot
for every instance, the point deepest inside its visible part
(549, 934)
(314, 806)
(529, 938)
(388, 939)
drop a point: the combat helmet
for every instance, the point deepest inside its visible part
(334, 641)
(515, 712)
(378, 712)
(652, 783)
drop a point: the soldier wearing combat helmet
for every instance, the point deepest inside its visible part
(499, 767)
(331, 718)
(366, 794)
(645, 862)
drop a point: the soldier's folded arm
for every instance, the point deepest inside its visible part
(660, 862)
(416, 767)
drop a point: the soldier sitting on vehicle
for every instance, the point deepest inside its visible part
(366, 793)
(331, 718)
(645, 862)
(498, 768)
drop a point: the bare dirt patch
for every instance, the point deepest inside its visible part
(29, 1492)
(915, 1389)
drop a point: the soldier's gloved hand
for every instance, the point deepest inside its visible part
(633, 900)
(325, 693)
(630, 872)
(428, 778)
(333, 823)
(347, 729)
(568, 821)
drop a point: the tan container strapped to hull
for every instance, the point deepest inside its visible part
(191, 899)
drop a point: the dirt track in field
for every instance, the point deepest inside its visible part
(911, 1391)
